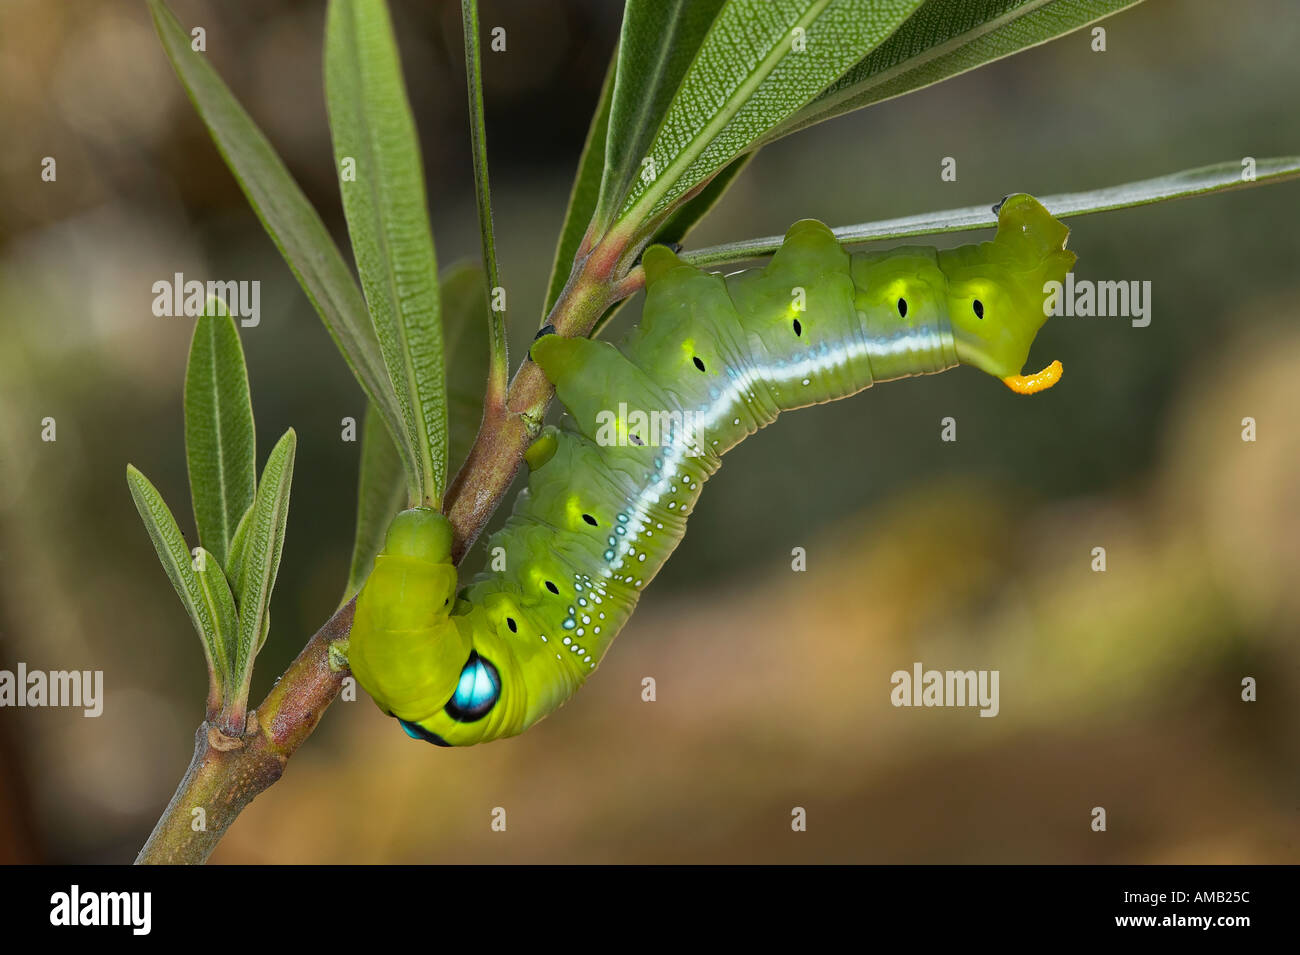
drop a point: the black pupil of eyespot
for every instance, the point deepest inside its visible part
(416, 731)
(979, 309)
(698, 364)
(902, 307)
(798, 329)
(510, 622)
(589, 519)
(552, 588)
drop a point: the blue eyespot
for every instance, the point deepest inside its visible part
(416, 731)
(476, 693)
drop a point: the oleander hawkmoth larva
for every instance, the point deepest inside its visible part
(713, 360)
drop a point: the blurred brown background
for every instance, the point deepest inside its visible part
(1119, 690)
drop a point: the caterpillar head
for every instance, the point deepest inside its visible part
(405, 649)
(996, 291)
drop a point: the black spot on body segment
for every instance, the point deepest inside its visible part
(798, 329)
(902, 308)
(979, 308)
(510, 622)
(552, 588)
(698, 364)
(590, 520)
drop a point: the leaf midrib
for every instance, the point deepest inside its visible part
(226, 530)
(645, 103)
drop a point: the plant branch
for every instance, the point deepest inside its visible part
(1220, 177)
(504, 436)
(227, 772)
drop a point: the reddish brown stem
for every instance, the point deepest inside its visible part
(507, 431)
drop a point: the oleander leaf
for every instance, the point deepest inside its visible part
(208, 616)
(238, 547)
(943, 39)
(657, 44)
(582, 198)
(496, 318)
(388, 221)
(220, 448)
(761, 61)
(260, 561)
(220, 601)
(465, 309)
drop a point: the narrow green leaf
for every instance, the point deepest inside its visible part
(381, 493)
(289, 219)
(219, 440)
(178, 563)
(235, 564)
(658, 41)
(499, 359)
(464, 315)
(582, 199)
(371, 123)
(238, 548)
(261, 564)
(220, 602)
(1221, 177)
(945, 38)
(761, 61)
(266, 630)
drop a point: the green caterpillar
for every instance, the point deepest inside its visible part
(713, 360)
